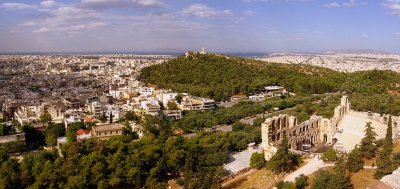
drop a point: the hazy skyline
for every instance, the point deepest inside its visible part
(179, 25)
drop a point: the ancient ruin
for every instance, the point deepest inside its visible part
(342, 131)
(301, 137)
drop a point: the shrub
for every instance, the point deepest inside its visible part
(257, 160)
(329, 155)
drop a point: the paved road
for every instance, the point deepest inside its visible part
(312, 166)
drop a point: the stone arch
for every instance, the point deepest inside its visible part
(278, 123)
(273, 125)
(284, 121)
(325, 138)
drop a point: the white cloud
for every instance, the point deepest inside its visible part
(393, 6)
(252, 1)
(248, 12)
(202, 10)
(104, 4)
(17, 6)
(354, 3)
(332, 5)
(41, 30)
(29, 23)
(73, 19)
(48, 4)
(348, 4)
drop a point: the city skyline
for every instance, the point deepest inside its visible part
(219, 26)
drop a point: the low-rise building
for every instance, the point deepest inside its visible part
(95, 109)
(146, 91)
(196, 103)
(151, 107)
(107, 131)
(28, 114)
(173, 114)
(55, 113)
(82, 134)
(275, 90)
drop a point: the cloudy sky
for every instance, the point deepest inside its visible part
(217, 25)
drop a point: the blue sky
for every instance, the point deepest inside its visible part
(217, 25)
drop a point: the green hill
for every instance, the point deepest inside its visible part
(219, 77)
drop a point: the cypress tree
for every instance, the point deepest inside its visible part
(111, 117)
(384, 162)
(388, 142)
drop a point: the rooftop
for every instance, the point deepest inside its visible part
(108, 127)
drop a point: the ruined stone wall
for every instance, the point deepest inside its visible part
(317, 130)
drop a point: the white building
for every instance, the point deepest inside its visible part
(146, 91)
(28, 114)
(165, 97)
(150, 106)
(110, 109)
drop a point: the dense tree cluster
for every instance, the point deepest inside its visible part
(194, 120)
(6, 129)
(125, 163)
(337, 179)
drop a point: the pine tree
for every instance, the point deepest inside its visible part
(340, 179)
(355, 162)
(283, 160)
(368, 147)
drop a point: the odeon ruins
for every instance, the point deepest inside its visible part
(317, 130)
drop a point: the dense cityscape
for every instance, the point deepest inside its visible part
(340, 62)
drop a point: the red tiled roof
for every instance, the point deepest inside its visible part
(89, 119)
(82, 132)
